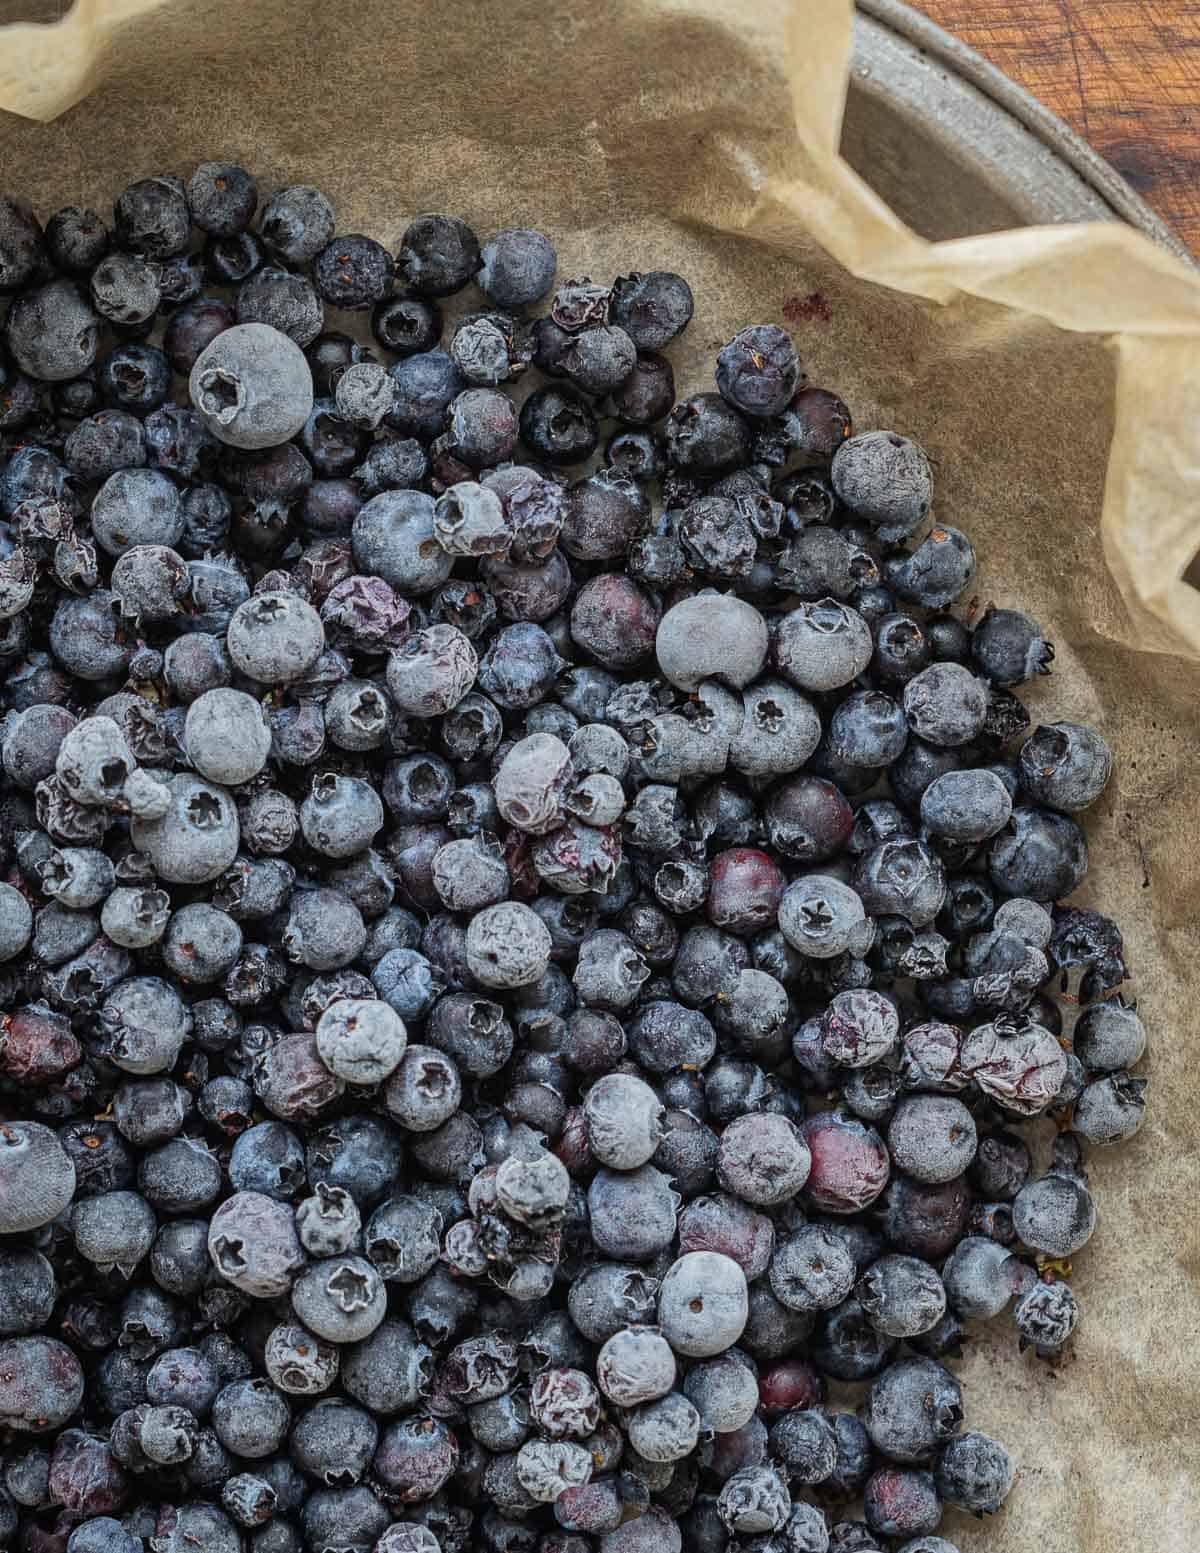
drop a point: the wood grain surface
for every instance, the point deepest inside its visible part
(1125, 74)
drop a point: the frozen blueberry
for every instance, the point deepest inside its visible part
(754, 1500)
(937, 571)
(353, 272)
(703, 1304)
(913, 1407)
(850, 1163)
(1015, 1062)
(222, 198)
(252, 385)
(632, 1213)
(41, 1384)
(979, 1277)
(711, 635)
(113, 1230)
(635, 1366)
(1055, 1214)
(21, 242)
(902, 1296)
(902, 878)
(508, 946)
(859, 1027)
(868, 729)
(361, 1041)
(966, 805)
(16, 922)
(623, 1117)
(38, 1176)
(1109, 1036)
(406, 324)
(805, 1444)
(438, 255)
(546, 1468)
(227, 736)
(763, 1159)
(758, 370)
(195, 838)
(932, 1137)
(516, 267)
(52, 333)
(285, 302)
(253, 1243)
(884, 479)
(823, 645)
(652, 307)
(136, 507)
(812, 1270)
(1045, 1316)
(341, 816)
(664, 1430)
(1065, 766)
(393, 537)
(103, 443)
(297, 222)
(975, 1473)
(898, 1501)
(946, 705)
(611, 1296)
(137, 378)
(1007, 647)
(821, 917)
(275, 638)
(342, 1298)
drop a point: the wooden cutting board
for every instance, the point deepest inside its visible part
(1125, 74)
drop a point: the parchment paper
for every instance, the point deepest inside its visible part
(702, 135)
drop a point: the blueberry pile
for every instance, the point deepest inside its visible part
(531, 932)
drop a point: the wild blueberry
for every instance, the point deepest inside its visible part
(1110, 1109)
(652, 308)
(803, 1441)
(1007, 647)
(763, 1159)
(1045, 1316)
(758, 370)
(703, 1305)
(812, 1270)
(966, 805)
(821, 917)
(975, 1473)
(932, 1137)
(1055, 1214)
(1016, 1062)
(884, 479)
(822, 645)
(937, 571)
(623, 1117)
(1065, 766)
